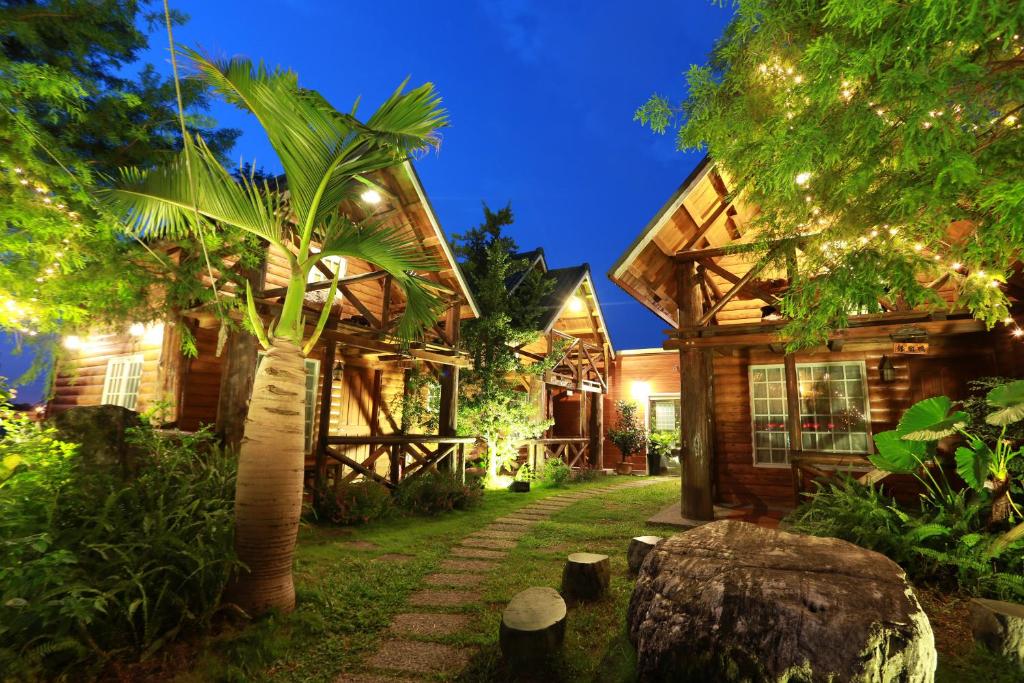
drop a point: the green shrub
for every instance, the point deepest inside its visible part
(585, 473)
(93, 567)
(946, 544)
(437, 492)
(556, 473)
(353, 503)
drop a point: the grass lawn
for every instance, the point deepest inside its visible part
(347, 597)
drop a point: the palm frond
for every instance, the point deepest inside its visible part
(162, 202)
(393, 253)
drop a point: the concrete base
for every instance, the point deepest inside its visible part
(671, 516)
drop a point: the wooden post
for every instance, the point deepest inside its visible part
(324, 429)
(793, 406)
(697, 409)
(597, 431)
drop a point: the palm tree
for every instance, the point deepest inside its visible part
(326, 156)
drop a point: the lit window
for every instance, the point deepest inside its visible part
(834, 415)
(121, 381)
(664, 413)
(335, 264)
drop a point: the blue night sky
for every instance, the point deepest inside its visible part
(540, 95)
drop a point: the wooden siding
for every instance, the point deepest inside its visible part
(949, 365)
(80, 374)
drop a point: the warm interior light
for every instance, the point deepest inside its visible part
(370, 196)
(576, 304)
(640, 390)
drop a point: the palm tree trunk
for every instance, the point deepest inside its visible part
(268, 495)
(1000, 501)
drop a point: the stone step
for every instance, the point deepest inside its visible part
(492, 543)
(468, 565)
(409, 656)
(465, 580)
(429, 624)
(436, 597)
(478, 553)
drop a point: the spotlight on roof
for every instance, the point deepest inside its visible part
(371, 196)
(576, 304)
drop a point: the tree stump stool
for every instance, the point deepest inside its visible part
(638, 549)
(586, 576)
(532, 627)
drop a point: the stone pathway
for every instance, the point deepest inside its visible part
(411, 651)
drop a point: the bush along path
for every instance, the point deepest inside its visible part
(415, 649)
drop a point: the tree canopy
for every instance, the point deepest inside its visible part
(883, 138)
(70, 114)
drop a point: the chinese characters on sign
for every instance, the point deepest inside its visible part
(910, 347)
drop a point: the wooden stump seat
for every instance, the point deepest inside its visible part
(532, 627)
(586, 576)
(638, 549)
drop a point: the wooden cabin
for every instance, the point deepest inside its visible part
(572, 392)
(753, 418)
(355, 376)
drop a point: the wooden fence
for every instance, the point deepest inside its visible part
(573, 451)
(408, 456)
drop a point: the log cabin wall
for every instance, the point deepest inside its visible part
(80, 374)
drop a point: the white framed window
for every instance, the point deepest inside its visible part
(121, 381)
(834, 412)
(663, 413)
(337, 264)
(312, 382)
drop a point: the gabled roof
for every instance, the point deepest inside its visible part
(566, 282)
(534, 259)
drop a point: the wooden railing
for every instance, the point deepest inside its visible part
(826, 465)
(409, 456)
(572, 451)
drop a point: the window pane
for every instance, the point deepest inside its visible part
(834, 413)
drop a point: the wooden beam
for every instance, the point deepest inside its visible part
(363, 310)
(597, 431)
(448, 413)
(323, 284)
(705, 226)
(697, 412)
(760, 292)
(324, 429)
(754, 271)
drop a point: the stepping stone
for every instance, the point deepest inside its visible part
(518, 521)
(457, 580)
(429, 624)
(430, 597)
(372, 678)
(487, 532)
(467, 565)
(478, 553)
(532, 514)
(517, 529)
(549, 506)
(421, 658)
(393, 557)
(586, 576)
(495, 543)
(361, 545)
(532, 627)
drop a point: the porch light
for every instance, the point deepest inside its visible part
(770, 313)
(370, 196)
(339, 371)
(887, 370)
(576, 304)
(72, 342)
(640, 391)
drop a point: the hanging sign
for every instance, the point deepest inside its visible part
(919, 348)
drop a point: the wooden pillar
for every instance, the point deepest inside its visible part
(448, 413)
(697, 407)
(793, 407)
(597, 431)
(581, 427)
(236, 380)
(324, 429)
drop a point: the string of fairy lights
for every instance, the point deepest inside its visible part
(785, 76)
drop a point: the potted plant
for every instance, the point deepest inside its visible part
(629, 436)
(660, 448)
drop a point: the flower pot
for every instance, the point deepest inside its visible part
(519, 487)
(624, 468)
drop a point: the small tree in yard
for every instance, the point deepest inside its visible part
(882, 143)
(629, 436)
(493, 406)
(327, 156)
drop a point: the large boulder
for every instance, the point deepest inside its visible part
(101, 432)
(731, 601)
(999, 626)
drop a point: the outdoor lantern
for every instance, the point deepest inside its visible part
(887, 370)
(770, 313)
(339, 371)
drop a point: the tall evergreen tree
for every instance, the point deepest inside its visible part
(509, 292)
(884, 138)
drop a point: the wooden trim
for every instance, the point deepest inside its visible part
(706, 225)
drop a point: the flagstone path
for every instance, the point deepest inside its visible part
(407, 653)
